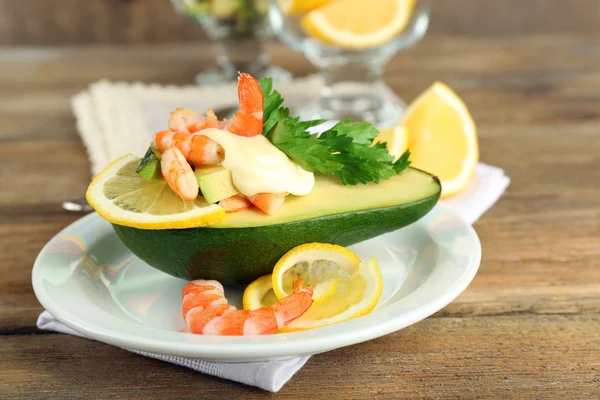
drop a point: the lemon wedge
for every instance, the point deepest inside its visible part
(356, 292)
(123, 197)
(443, 137)
(358, 24)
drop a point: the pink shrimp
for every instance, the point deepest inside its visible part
(268, 203)
(206, 311)
(189, 121)
(235, 203)
(179, 174)
(248, 121)
(197, 149)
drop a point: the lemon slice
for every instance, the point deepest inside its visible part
(396, 140)
(260, 293)
(358, 289)
(358, 24)
(300, 6)
(123, 197)
(443, 137)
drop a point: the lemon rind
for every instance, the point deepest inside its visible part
(194, 218)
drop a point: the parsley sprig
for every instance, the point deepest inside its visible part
(346, 149)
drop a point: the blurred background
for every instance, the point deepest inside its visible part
(77, 22)
(514, 62)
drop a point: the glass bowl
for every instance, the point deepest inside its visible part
(352, 71)
(238, 30)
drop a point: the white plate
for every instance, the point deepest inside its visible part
(90, 281)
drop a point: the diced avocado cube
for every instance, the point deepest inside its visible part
(215, 183)
(149, 167)
(151, 170)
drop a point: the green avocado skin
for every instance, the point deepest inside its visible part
(241, 255)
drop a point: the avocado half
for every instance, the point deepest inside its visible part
(248, 244)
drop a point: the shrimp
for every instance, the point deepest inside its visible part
(189, 121)
(206, 311)
(196, 148)
(268, 203)
(201, 150)
(235, 203)
(248, 121)
(179, 174)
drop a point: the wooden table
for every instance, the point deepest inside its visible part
(527, 327)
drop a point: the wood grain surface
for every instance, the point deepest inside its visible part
(528, 327)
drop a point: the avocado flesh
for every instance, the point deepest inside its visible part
(150, 170)
(329, 197)
(149, 166)
(215, 183)
(239, 252)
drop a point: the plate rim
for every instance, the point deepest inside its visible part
(243, 351)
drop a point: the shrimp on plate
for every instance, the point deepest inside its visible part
(206, 311)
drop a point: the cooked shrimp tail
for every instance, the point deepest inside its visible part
(248, 121)
(206, 311)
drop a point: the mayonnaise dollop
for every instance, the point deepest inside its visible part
(257, 166)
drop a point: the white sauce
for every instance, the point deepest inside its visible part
(257, 166)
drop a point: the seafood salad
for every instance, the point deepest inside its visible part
(258, 197)
(262, 174)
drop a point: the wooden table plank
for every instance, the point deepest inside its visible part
(531, 314)
(444, 358)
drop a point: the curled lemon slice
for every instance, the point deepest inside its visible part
(123, 197)
(356, 292)
(260, 293)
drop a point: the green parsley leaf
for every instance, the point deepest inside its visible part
(402, 162)
(266, 86)
(305, 149)
(277, 115)
(272, 103)
(346, 150)
(360, 132)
